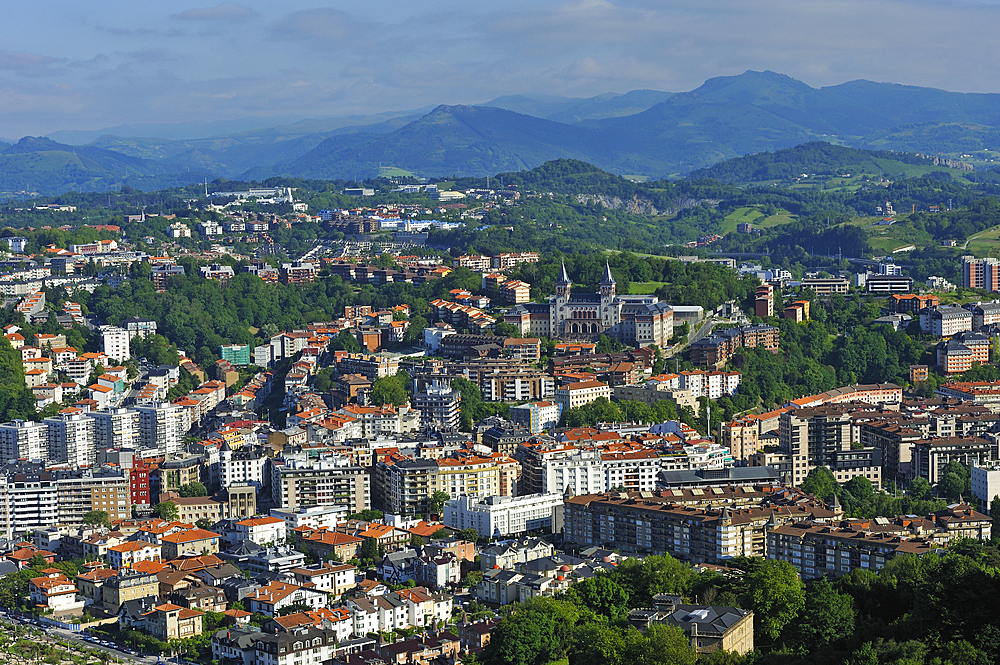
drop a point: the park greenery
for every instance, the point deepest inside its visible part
(914, 610)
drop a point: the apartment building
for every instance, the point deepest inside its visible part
(821, 436)
(71, 439)
(505, 515)
(929, 456)
(577, 394)
(653, 525)
(29, 498)
(439, 407)
(300, 482)
(716, 349)
(116, 428)
(981, 273)
(945, 320)
(23, 439)
(94, 488)
(536, 417)
(115, 343)
(161, 427)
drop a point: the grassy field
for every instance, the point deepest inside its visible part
(739, 216)
(643, 288)
(986, 243)
(393, 172)
(756, 218)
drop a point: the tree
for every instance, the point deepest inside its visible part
(860, 488)
(440, 534)
(470, 535)
(821, 483)
(98, 517)
(601, 594)
(193, 489)
(166, 510)
(392, 390)
(920, 489)
(369, 550)
(437, 501)
(416, 541)
(536, 632)
(826, 617)
(773, 590)
(995, 515)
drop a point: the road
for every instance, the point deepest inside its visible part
(77, 638)
(704, 330)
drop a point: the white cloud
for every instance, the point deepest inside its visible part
(227, 11)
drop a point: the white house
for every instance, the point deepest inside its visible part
(276, 595)
(262, 530)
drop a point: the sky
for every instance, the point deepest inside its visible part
(67, 65)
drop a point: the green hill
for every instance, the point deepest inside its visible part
(48, 167)
(820, 159)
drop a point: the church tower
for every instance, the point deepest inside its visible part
(563, 284)
(608, 283)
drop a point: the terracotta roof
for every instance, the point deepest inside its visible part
(189, 536)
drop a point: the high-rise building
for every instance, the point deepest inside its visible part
(297, 483)
(29, 498)
(84, 490)
(438, 405)
(23, 439)
(981, 273)
(115, 343)
(71, 439)
(161, 426)
(116, 428)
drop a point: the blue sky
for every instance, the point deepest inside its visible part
(71, 65)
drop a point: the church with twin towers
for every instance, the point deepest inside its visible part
(640, 320)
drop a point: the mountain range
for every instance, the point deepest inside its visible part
(642, 133)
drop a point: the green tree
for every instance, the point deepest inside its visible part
(821, 483)
(392, 390)
(369, 550)
(415, 331)
(826, 616)
(860, 488)
(470, 535)
(773, 590)
(166, 510)
(193, 489)
(995, 515)
(601, 594)
(98, 517)
(536, 632)
(416, 541)
(920, 489)
(437, 501)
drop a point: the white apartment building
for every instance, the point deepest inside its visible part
(71, 439)
(985, 483)
(116, 428)
(578, 469)
(115, 343)
(29, 499)
(634, 470)
(503, 515)
(23, 439)
(314, 517)
(583, 392)
(244, 465)
(712, 385)
(161, 426)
